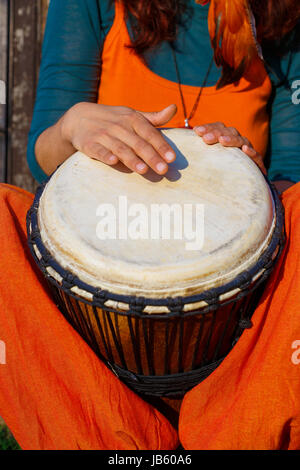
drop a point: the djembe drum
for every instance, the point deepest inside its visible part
(161, 308)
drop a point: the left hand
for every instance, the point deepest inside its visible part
(229, 137)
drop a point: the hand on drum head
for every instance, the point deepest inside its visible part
(229, 137)
(117, 133)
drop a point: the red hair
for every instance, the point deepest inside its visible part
(157, 20)
(229, 26)
(275, 18)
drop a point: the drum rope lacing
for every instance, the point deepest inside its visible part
(168, 384)
(99, 296)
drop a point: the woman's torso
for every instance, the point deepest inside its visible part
(149, 85)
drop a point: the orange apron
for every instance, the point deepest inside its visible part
(126, 81)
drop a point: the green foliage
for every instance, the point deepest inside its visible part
(7, 441)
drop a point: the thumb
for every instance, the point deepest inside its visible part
(159, 118)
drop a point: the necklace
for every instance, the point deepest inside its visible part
(191, 115)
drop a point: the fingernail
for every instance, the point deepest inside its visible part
(161, 166)
(113, 159)
(209, 136)
(169, 156)
(225, 138)
(141, 166)
(200, 129)
(250, 149)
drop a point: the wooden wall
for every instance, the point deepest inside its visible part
(26, 26)
(3, 79)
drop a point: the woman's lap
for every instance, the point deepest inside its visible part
(252, 400)
(56, 394)
(54, 391)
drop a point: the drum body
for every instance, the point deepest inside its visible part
(163, 310)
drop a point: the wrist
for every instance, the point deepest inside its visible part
(65, 127)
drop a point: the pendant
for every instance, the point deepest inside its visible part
(186, 123)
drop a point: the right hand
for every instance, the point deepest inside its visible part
(117, 133)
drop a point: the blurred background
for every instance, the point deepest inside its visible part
(21, 33)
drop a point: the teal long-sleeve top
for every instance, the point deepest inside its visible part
(71, 69)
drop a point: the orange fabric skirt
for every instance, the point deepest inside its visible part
(56, 394)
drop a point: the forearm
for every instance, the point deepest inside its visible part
(69, 74)
(52, 148)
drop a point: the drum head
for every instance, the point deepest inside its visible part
(226, 222)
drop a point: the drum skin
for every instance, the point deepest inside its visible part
(156, 340)
(238, 218)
